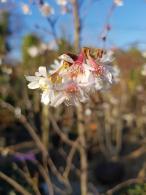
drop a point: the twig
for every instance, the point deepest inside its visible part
(53, 31)
(106, 26)
(30, 181)
(70, 159)
(135, 154)
(12, 149)
(56, 172)
(47, 179)
(14, 184)
(62, 135)
(124, 184)
(77, 24)
(82, 151)
(28, 127)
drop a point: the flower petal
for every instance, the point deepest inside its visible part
(33, 85)
(59, 99)
(45, 98)
(43, 71)
(31, 78)
(66, 58)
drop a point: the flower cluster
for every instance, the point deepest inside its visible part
(74, 77)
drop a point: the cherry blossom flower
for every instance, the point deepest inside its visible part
(41, 80)
(46, 10)
(26, 9)
(55, 66)
(88, 112)
(63, 5)
(101, 70)
(77, 71)
(73, 78)
(118, 2)
(33, 51)
(69, 93)
(62, 2)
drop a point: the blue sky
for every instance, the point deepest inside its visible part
(128, 22)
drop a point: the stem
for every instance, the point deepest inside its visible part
(45, 126)
(82, 150)
(77, 24)
(81, 127)
(13, 183)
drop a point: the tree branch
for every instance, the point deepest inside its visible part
(125, 184)
(14, 184)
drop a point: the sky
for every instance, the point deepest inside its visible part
(128, 22)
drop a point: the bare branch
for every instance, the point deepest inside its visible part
(70, 159)
(14, 184)
(47, 179)
(62, 135)
(77, 24)
(56, 172)
(30, 181)
(125, 184)
(28, 127)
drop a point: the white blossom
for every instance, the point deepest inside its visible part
(40, 80)
(62, 2)
(73, 78)
(88, 112)
(46, 10)
(118, 2)
(33, 51)
(26, 9)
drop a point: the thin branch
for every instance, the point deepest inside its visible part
(30, 181)
(56, 172)
(135, 154)
(47, 179)
(53, 31)
(62, 135)
(77, 24)
(125, 184)
(28, 127)
(14, 184)
(70, 159)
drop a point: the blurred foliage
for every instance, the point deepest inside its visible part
(4, 33)
(137, 189)
(65, 46)
(29, 41)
